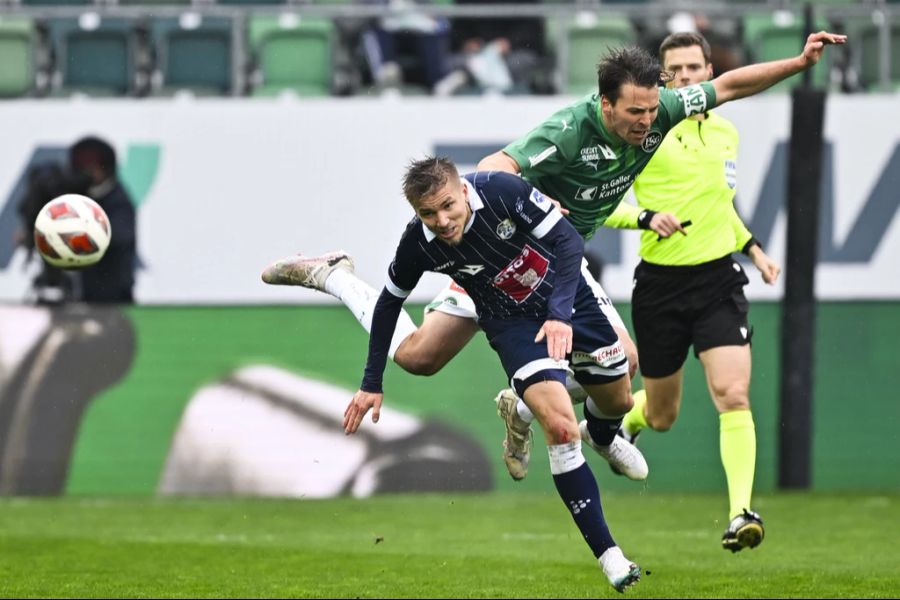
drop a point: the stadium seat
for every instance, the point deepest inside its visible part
(16, 56)
(93, 54)
(292, 53)
(193, 53)
(587, 39)
(780, 34)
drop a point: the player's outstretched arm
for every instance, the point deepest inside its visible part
(752, 79)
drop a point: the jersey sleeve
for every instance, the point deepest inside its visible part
(405, 270)
(403, 275)
(528, 206)
(624, 217)
(545, 150)
(568, 247)
(742, 235)
(678, 104)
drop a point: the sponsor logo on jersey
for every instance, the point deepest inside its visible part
(694, 99)
(731, 173)
(471, 269)
(520, 208)
(445, 265)
(506, 228)
(652, 140)
(591, 155)
(585, 193)
(539, 200)
(605, 357)
(523, 275)
(565, 124)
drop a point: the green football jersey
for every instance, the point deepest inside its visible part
(572, 158)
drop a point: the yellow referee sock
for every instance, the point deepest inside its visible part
(737, 445)
(635, 419)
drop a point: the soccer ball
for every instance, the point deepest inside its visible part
(71, 231)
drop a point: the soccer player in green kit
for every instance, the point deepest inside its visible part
(688, 289)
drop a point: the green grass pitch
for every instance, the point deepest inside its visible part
(502, 545)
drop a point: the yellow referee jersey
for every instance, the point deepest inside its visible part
(692, 175)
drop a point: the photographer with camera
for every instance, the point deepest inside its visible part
(91, 171)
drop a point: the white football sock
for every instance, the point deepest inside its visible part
(360, 298)
(565, 458)
(524, 412)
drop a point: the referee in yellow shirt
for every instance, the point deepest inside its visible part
(688, 288)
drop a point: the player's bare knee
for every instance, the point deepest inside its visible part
(619, 404)
(661, 422)
(419, 365)
(732, 397)
(561, 431)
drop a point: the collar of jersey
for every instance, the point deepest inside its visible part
(475, 203)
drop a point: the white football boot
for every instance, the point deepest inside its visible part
(307, 271)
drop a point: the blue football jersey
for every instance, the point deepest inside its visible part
(501, 261)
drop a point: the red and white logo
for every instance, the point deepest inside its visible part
(523, 275)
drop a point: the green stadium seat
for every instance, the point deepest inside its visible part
(775, 35)
(292, 53)
(193, 53)
(587, 40)
(94, 55)
(16, 56)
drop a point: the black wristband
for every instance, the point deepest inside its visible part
(643, 220)
(750, 243)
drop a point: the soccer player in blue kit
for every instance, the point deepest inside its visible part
(520, 261)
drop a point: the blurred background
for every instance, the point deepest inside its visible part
(248, 130)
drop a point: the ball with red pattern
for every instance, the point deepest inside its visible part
(71, 231)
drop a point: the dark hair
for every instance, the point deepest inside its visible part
(685, 39)
(93, 151)
(426, 176)
(631, 64)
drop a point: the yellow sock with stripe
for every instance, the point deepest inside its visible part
(737, 445)
(635, 420)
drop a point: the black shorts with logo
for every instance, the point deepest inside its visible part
(673, 307)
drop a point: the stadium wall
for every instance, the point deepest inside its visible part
(224, 186)
(248, 400)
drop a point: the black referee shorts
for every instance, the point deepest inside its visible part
(673, 308)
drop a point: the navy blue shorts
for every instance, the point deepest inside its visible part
(597, 354)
